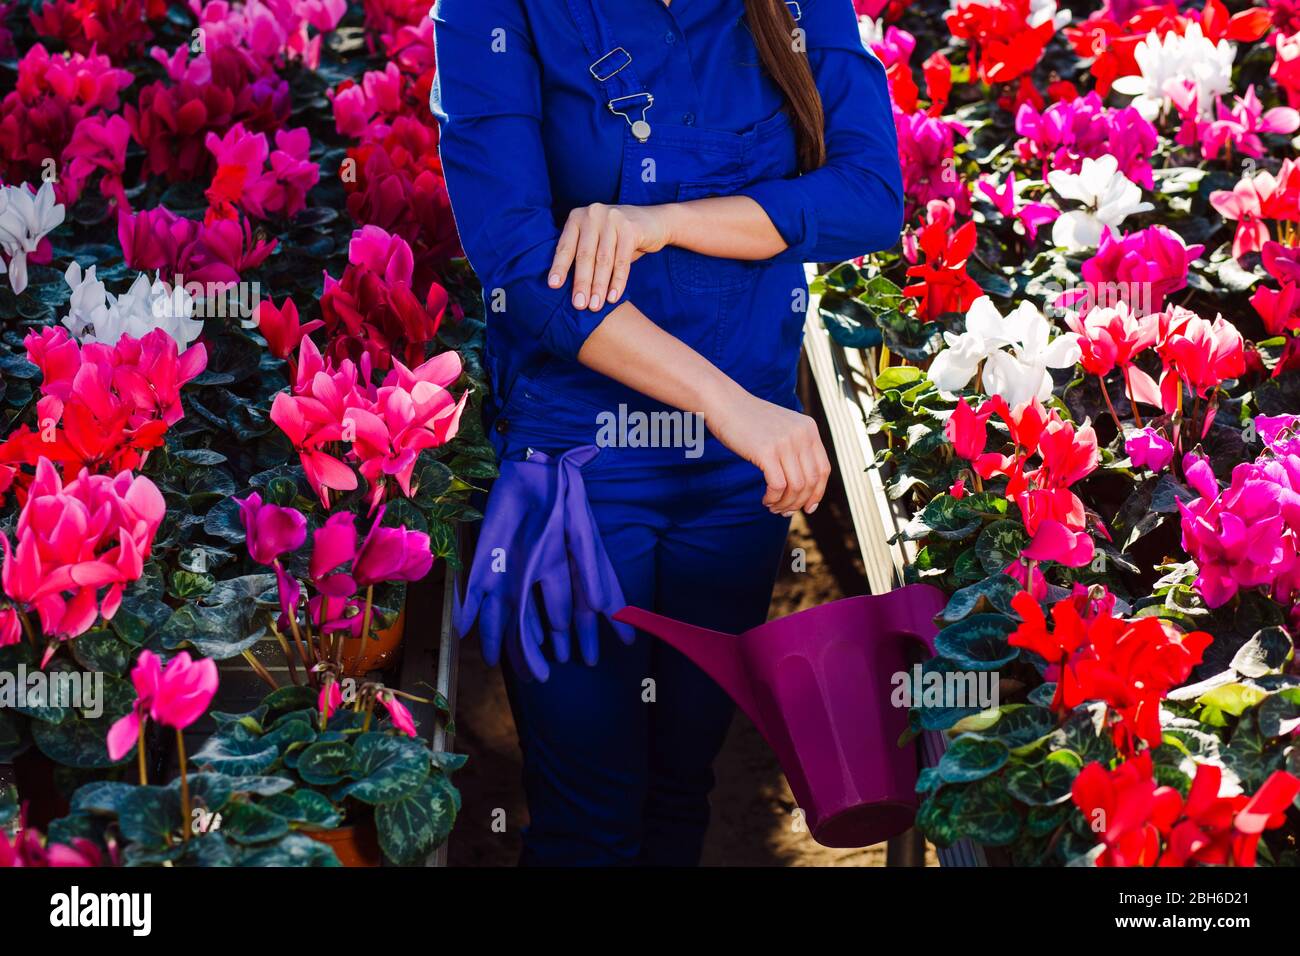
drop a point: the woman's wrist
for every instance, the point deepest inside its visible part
(713, 393)
(672, 217)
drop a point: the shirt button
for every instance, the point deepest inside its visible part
(502, 426)
(670, 37)
(688, 119)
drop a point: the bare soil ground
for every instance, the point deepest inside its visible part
(752, 806)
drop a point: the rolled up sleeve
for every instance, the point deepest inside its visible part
(853, 204)
(487, 100)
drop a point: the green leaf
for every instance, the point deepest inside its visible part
(1020, 725)
(149, 815)
(994, 593)
(326, 762)
(1047, 783)
(295, 850)
(971, 757)
(978, 642)
(986, 813)
(1279, 714)
(898, 376)
(387, 768)
(937, 816)
(944, 517)
(102, 797)
(413, 827)
(249, 824)
(1000, 545)
(306, 807)
(1264, 653)
(238, 751)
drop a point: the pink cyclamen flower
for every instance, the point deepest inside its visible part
(966, 430)
(398, 713)
(308, 427)
(1031, 215)
(1239, 128)
(1141, 268)
(175, 695)
(281, 327)
(1148, 448)
(391, 554)
(330, 699)
(925, 147)
(243, 180)
(271, 529)
(1246, 535)
(1201, 354)
(75, 539)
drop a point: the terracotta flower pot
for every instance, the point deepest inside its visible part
(356, 845)
(362, 655)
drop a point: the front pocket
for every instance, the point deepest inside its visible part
(698, 274)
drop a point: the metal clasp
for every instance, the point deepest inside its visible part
(624, 106)
(795, 10)
(618, 56)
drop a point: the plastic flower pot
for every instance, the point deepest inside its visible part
(817, 685)
(356, 845)
(363, 655)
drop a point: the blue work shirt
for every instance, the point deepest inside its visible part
(526, 136)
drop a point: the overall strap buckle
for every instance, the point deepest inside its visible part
(627, 106)
(610, 65)
(795, 11)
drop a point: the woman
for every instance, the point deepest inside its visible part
(637, 184)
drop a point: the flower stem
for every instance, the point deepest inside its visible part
(290, 654)
(1128, 390)
(259, 670)
(139, 751)
(1106, 395)
(185, 787)
(365, 621)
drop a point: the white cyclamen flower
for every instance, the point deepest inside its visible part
(96, 315)
(1169, 66)
(1017, 375)
(1109, 196)
(25, 219)
(1040, 11)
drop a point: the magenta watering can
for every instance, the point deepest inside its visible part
(818, 686)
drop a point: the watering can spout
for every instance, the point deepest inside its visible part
(715, 653)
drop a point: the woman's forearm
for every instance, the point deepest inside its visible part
(783, 444)
(631, 349)
(728, 227)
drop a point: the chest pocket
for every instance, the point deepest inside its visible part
(698, 274)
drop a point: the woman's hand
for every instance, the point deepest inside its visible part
(785, 445)
(600, 243)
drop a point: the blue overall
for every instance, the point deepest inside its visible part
(547, 106)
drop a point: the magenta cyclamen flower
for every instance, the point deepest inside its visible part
(398, 713)
(1245, 535)
(925, 148)
(1148, 448)
(175, 695)
(1141, 268)
(1239, 128)
(1067, 132)
(271, 529)
(391, 554)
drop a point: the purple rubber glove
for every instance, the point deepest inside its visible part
(539, 536)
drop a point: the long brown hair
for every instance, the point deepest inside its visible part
(773, 26)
